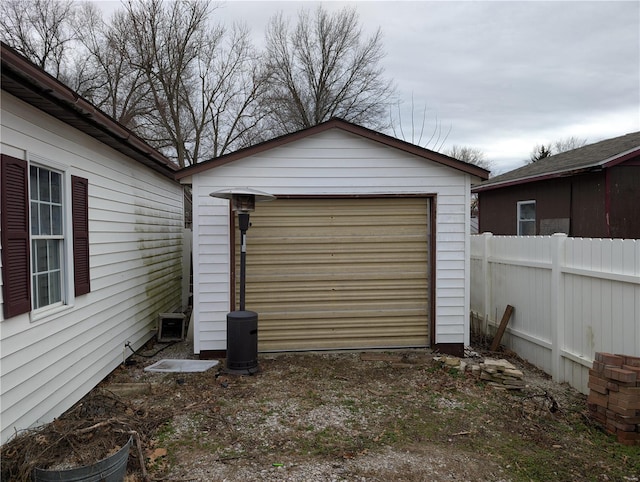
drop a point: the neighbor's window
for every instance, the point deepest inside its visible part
(47, 237)
(526, 218)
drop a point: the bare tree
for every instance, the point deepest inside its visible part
(187, 86)
(163, 43)
(436, 139)
(540, 151)
(71, 41)
(472, 155)
(323, 68)
(203, 80)
(40, 30)
(109, 80)
(233, 92)
(568, 144)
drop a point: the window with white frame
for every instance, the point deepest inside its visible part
(47, 236)
(526, 218)
(44, 232)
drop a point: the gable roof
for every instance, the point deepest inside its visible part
(597, 156)
(31, 84)
(336, 123)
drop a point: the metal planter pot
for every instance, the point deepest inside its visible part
(111, 469)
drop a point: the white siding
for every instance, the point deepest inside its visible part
(135, 225)
(332, 162)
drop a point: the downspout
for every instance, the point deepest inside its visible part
(607, 201)
(571, 213)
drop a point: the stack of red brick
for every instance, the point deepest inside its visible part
(614, 395)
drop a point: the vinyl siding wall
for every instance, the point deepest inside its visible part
(135, 236)
(333, 162)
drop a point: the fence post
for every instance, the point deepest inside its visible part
(486, 283)
(557, 306)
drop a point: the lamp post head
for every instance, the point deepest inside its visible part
(243, 200)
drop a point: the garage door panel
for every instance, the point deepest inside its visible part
(349, 233)
(345, 309)
(367, 261)
(294, 275)
(366, 331)
(263, 296)
(330, 296)
(412, 247)
(328, 332)
(339, 273)
(345, 285)
(342, 338)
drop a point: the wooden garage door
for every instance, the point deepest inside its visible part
(338, 273)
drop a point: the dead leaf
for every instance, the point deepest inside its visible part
(156, 454)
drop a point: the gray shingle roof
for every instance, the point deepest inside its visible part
(582, 158)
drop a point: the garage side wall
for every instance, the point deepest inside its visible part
(331, 163)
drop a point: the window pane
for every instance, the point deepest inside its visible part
(33, 180)
(56, 219)
(40, 255)
(42, 281)
(527, 228)
(56, 187)
(35, 293)
(45, 219)
(35, 224)
(528, 211)
(34, 256)
(43, 181)
(53, 252)
(54, 287)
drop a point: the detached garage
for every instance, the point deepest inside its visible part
(366, 245)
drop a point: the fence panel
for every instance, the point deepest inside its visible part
(573, 297)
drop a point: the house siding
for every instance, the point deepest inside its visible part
(331, 163)
(601, 204)
(624, 195)
(498, 209)
(135, 246)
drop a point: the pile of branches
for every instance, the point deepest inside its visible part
(93, 429)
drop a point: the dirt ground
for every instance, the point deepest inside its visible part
(329, 417)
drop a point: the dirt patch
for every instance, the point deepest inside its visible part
(330, 417)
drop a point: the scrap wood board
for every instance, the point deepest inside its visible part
(503, 326)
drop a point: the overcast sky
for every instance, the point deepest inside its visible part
(502, 76)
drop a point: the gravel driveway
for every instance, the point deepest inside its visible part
(348, 416)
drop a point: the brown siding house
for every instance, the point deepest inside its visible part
(592, 191)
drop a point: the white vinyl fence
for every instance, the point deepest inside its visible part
(573, 297)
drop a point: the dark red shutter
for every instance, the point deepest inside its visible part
(16, 273)
(80, 215)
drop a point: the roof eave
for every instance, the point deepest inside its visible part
(595, 166)
(471, 169)
(541, 177)
(48, 94)
(620, 158)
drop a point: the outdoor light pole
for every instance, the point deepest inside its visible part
(242, 325)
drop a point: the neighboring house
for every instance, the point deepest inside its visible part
(366, 245)
(91, 233)
(592, 191)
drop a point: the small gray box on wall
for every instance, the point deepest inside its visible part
(171, 326)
